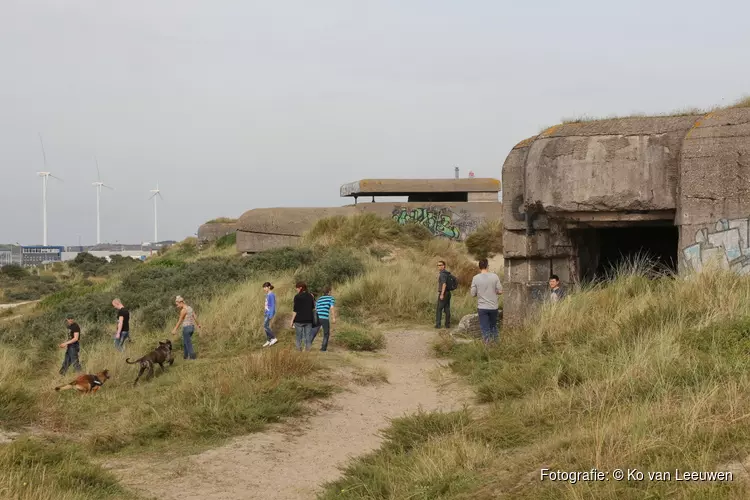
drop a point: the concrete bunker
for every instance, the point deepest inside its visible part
(603, 250)
(581, 196)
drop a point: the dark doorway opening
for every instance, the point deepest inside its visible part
(602, 250)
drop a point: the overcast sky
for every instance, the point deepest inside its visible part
(233, 105)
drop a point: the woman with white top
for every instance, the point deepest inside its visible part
(189, 321)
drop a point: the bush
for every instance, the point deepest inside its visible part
(487, 240)
(88, 264)
(357, 338)
(226, 241)
(335, 266)
(13, 271)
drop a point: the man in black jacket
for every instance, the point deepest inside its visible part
(444, 297)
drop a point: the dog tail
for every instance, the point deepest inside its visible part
(133, 362)
(64, 387)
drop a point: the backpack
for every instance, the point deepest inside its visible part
(451, 283)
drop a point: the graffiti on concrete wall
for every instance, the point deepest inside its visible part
(725, 245)
(440, 221)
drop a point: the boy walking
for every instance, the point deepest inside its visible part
(123, 325)
(486, 287)
(71, 346)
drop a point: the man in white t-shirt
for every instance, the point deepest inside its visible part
(486, 287)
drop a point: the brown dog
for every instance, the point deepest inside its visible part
(88, 383)
(159, 356)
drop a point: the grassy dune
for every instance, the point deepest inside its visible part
(639, 374)
(382, 273)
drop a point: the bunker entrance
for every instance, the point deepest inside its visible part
(603, 250)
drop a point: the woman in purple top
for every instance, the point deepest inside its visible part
(270, 312)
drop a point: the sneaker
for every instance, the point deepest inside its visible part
(268, 342)
(273, 341)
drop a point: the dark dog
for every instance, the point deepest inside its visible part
(159, 356)
(88, 383)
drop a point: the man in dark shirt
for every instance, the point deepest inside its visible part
(444, 297)
(72, 347)
(123, 324)
(302, 319)
(556, 291)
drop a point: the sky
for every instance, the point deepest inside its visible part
(234, 105)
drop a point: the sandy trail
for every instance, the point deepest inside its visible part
(291, 461)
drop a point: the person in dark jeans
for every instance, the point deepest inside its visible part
(444, 297)
(325, 306)
(123, 325)
(302, 317)
(486, 287)
(71, 346)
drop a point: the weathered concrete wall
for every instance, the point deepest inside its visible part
(214, 231)
(589, 174)
(265, 228)
(450, 220)
(714, 201)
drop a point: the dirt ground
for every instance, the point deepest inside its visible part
(291, 461)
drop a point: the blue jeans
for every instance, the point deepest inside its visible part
(71, 358)
(325, 325)
(488, 324)
(187, 342)
(304, 333)
(119, 343)
(267, 328)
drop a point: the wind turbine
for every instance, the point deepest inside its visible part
(45, 176)
(156, 225)
(99, 185)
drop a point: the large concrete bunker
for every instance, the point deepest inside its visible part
(582, 197)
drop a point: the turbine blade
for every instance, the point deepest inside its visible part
(108, 187)
(98, 173)
(152, 196)
(44, 155)
(160, 196)
(56, 177)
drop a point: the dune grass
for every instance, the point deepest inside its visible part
(634, 374)
(234, 387)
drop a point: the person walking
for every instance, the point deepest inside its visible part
(270, 312)
(444, 296)
(72, 346)
(325, 307)
(302, 317)
(189, 320)
(486, 287)
(123, 325)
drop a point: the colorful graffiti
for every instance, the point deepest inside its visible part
(438, 221)
(725, 246)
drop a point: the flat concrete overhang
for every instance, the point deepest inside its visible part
(406, 187)
(613, 219)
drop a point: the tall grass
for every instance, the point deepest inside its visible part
(638, 373)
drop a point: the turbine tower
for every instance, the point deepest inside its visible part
(156, 220)
(99, 185)
(45, 176)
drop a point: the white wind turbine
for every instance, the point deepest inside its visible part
(156, 220)
(99, 185)
(45, 176)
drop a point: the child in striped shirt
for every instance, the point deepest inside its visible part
(325, 307)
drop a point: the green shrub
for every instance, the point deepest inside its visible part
(335, 266)
(357, 338)
(88, 264)
(13, 271)
(226, 241)
(487, 240)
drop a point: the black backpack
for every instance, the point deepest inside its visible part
(451, 283)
